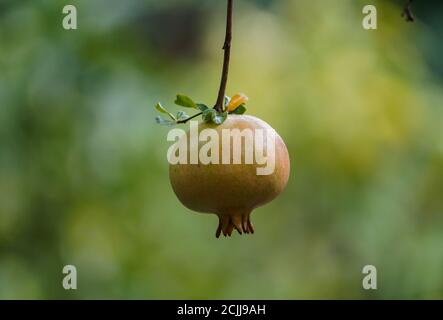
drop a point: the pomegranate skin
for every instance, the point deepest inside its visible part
(231, 191)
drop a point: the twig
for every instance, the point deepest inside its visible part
(190, 118)
(227, 55)
(219, 105)
(407, 12)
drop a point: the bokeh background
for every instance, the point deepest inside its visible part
(83, 170)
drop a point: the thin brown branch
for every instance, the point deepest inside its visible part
(190, 118)
(407, 12)
(227, 55)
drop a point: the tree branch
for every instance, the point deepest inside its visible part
(227, 55)
(407, 12)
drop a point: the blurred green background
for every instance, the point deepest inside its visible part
(83, 169)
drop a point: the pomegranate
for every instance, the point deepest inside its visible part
(232, 190)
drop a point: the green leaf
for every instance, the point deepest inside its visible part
(212, 116)
(227, 100)
(208, 115)
(202, 107)
(219, 118)
(239, 110)
(164, 122)
(185, 101)
(161, 109)
(181, 115)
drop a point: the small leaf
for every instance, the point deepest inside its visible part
(236, 101)
(164, 122)
(161, 109)
(208, 115)
(239, 110)
(227, 100)
(185, 101)
(202, 107)
(181, 115)
(219, 118)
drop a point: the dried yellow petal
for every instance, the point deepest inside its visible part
(236, 101)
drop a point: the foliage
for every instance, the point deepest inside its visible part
(208, 115)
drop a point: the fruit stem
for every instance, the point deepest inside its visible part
(227, 56)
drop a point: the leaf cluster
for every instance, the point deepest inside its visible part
(209, 115)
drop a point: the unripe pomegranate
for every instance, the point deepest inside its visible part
(232, 191)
